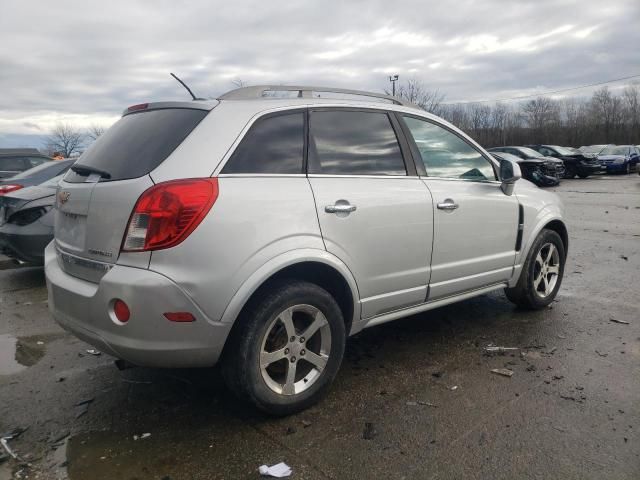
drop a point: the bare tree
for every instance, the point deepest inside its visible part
(416, 92)
(95, 130)
(65, 139)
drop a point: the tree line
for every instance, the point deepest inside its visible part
(604, 118)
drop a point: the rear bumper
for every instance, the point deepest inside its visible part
(26, 243)
(148, 338)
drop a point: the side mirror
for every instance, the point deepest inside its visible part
(509, 174)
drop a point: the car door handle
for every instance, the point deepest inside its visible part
(340, 208)
(448, 204)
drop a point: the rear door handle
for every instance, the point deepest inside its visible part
(448, 204)
(340, 208)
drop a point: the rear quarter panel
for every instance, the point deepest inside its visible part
(254, 220)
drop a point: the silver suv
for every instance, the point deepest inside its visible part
(260, 229)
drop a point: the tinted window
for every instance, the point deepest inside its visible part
(272, 145)
(139, 142)
(446, 155)
(353, 143)
(13, 164)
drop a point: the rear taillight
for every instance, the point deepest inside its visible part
(168, 212)
(4, 189)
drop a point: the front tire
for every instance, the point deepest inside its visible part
(541, 274)
(288, 348)
(570, 171)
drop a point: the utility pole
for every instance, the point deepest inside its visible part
(393, 79)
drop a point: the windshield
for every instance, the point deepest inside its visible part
(529, 152)
(615, 151)
(563, 151)
(592, 148)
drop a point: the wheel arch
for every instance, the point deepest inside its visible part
(315, 266)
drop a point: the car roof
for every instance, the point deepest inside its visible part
(259, 99)
(21, 152)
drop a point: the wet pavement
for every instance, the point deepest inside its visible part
(415, 398)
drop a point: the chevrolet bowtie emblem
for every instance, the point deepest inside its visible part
(63, 197)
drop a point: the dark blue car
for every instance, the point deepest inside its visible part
(620, 158)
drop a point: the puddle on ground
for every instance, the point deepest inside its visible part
(18, 353)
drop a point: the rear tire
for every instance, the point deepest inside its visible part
(288, 348)
(541, 273)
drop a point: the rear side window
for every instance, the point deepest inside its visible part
(139, 142)
(343, 142)
(273, 144)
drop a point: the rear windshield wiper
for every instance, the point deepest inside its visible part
(87, 170)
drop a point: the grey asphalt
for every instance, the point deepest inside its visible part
(571, 410)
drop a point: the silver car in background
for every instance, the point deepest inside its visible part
(261, 229)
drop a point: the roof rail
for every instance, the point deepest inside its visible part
(259, 91)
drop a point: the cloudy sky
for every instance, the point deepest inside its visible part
(82, 62)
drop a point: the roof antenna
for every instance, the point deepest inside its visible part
(185, 86)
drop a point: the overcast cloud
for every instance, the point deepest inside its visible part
(84, 61)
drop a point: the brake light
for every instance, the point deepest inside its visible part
(139, 106)
(4, 189)
(168, 212)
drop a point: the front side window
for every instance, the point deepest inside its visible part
(274, 145)
(344, 142)
(446, 155)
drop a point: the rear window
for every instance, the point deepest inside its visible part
(34, 171)
(139, 142)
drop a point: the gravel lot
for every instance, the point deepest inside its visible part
(414, 399)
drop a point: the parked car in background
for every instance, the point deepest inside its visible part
(26, 221)
(16, 160)
(574, 163)
(591, 151)
(261, 232)
(34, 176)
(552, 167)
(533, 169)
(620, 158)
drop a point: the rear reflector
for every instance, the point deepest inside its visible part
(140, 106)
(168, 212)
(180, 317)
(121, 310)
(4, 189)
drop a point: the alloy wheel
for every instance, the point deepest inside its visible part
(546, 270)
(295, 349)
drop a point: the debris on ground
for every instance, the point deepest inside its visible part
(140, 437)
(83, 407)
(5, 444)
(615, 320)
(421, 402)
(505, 372)
(437, 374)
(369, 431)
(306, 423)
(280, 470)
(624, 257)
(84, 402)
(94, 352)
(491, 349)
(551, 351)
(455, 387)
(601, 354)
